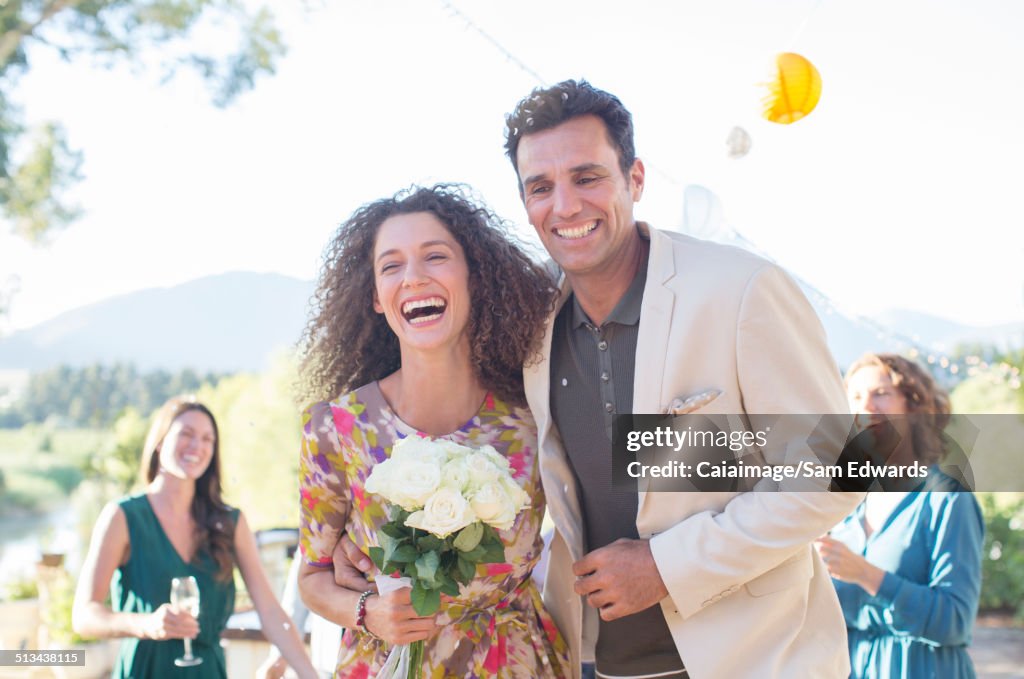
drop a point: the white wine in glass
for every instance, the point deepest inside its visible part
(185, 597)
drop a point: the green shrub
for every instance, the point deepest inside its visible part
(66, 477)
(57, 612)
(1002, 585)
(17, 590)
(30, 490)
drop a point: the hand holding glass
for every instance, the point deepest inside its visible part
(185, 597)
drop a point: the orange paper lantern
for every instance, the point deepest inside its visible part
(794, 92)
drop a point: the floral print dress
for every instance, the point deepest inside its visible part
(497, 626)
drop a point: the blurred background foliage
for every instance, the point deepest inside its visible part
(1002, 584)
(228, 43)
(96, 395)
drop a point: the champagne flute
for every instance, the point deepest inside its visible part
(185, 596)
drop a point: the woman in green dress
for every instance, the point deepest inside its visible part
(177, 527)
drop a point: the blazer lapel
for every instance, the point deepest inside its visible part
(559, 482)
(655, 329)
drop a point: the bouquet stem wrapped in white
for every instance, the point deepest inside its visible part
(450, 502)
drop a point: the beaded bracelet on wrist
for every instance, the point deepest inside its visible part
(361, 615)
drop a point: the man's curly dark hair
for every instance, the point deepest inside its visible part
(347, 344)
(548, 107)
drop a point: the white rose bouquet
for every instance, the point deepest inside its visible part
(449, 501)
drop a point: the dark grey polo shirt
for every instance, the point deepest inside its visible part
(592, 371)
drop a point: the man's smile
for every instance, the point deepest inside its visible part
(575, 232)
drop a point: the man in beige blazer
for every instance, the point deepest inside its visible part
(732, 575)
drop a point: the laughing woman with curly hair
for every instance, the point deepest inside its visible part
(425, 313)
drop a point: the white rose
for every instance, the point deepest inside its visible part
(455, 475)
(444, 513)
(481, 470)
(379, 480)
(419, 449)
(493, 506)
(499, 460)
(452, 450)
(520, 498)
(406, 482)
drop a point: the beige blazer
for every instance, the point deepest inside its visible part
(748, 595)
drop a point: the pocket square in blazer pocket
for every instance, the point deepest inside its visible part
(682, 406)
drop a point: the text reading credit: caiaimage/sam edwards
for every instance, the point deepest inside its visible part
(804, 470)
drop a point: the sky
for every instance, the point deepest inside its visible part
(901, 190)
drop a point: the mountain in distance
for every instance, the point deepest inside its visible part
(898, 330)
(224, 323)
(238, 321)
(944, 335)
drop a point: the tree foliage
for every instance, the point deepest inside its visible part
(37, 166)
(259, 424)
(95, 396)
(118, 461)
(995, 385)
(1002, 582)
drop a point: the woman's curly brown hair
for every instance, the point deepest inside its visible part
(347, 344)
(928, 407)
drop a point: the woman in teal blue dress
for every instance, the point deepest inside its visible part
(177, 527)
(907, 565)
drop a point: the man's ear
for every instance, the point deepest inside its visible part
(636, 179)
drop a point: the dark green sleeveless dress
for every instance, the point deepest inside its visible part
(144, 583)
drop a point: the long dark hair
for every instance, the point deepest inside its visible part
(214, 530)
(347, 344)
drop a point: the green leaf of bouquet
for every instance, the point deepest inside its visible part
(469, 537)
(405, 554)
(466, 571)
(425, 601)
(430, 543)
(377, 557)
(426, 568)
(494, 553)
(490, 534)
(388, 544)
(449, 586)
(394, 530)
(491, 539)
(474, 555)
